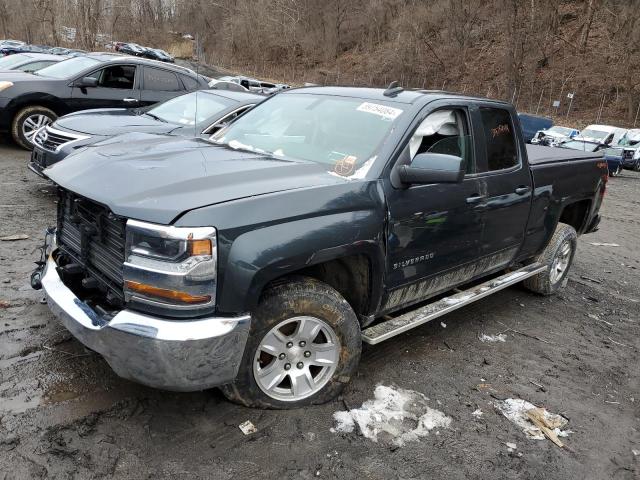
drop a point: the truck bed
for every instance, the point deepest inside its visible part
(540, 155)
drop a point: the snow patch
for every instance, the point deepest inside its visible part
(394, 416)
(516, 410)
(501, 337)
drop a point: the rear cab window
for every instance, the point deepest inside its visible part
(500, 139)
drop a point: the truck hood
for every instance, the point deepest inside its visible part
(156, 179)
(108, 122)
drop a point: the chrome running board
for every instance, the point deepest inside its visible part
(390, 328)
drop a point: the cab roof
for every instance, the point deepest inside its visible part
(408, 96)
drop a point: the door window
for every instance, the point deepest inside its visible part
(117, 76)
(502, 150)
(447, 132)
(160, 80)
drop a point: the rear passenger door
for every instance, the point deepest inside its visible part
(159, 85)
(506, 187)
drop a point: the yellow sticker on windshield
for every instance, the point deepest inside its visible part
(380, 110)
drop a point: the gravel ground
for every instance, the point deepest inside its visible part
(64, 414)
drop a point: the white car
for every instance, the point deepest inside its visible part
(605, 134)
(554, 136)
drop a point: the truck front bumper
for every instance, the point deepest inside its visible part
(179, 355)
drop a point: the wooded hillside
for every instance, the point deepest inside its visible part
(531, 52)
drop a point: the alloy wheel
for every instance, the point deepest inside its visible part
(33, 123)
(560, 262)
(296, 358)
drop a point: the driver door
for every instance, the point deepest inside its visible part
(117, 88)
(434, 230)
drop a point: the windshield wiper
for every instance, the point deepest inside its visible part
(155, 117)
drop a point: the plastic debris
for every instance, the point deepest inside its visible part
(394, 416)
(477, 413)
(13, 238)
(443, 325)
(248, 428)
(536, 423)
(604, 244)
(511, 447)
(501, 337)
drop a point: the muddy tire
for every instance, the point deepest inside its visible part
(558, 257)
(27, 121)
(304, 346)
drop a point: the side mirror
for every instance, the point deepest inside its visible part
(433, 168)
(87, 82)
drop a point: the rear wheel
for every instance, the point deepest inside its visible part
(558, 257)
(28, 121)
(617, 171)
(304, 346)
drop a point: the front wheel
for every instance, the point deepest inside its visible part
(304, 346)
(558, 257)
(617, 171)
(28, 121)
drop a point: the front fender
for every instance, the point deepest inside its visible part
(261, 256)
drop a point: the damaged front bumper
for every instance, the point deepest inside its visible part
(179, 355)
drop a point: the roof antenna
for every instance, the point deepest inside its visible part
(393, 89)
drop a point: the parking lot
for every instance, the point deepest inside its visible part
(64, 413)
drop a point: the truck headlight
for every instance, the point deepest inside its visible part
(170, 270)
(636, 154)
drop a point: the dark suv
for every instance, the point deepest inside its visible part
(30, 101)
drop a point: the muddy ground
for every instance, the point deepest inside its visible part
(64, 414)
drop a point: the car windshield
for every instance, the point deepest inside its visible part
(597, 134)
(564, 131)
(584, 146)
(331, 130)
(68, 68)
(11, 61)
(189, 109)
(631, 138)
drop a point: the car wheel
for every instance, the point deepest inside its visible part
(558, 257)
(304, 346)
(636, 167)
(28, 121)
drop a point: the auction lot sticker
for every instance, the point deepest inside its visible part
(381, 110)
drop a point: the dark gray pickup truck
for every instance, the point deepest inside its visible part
(260, 259)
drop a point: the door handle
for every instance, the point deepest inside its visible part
(130, 100)
(523, 189)
(475, 199)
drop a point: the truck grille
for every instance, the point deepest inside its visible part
(94, 237)
(627, 154)
(51, 139)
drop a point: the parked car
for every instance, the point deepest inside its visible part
(157, 54)
(201, 113)
(614, 158)
(553, 136)
(226, 85)
(28, 102)
(630, 149)
(11, 43)
(320, 219)
(69, 52)
(604, 134)
(28, 62)
(248, 84)
(531, 124)
(132, 49)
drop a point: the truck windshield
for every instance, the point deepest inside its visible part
(560, 130)
(68, 68)
(332, 130)
(597, 134)
(192, 108)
